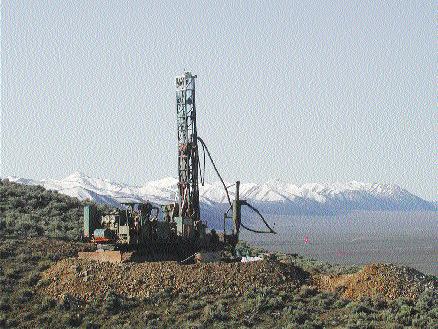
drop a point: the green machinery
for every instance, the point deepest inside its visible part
(132, 227)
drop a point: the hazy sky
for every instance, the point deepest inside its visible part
(288, 90)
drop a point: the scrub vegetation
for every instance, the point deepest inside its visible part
(39, 241)
(29, 211)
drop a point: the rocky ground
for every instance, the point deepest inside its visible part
(386, 280)
(43, 284)
(85, 279)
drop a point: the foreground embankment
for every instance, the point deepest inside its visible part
(43, 284)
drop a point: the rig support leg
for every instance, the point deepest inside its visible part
(237, 212)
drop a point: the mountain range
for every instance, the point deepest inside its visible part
(273, 197)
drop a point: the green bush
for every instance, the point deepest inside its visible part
(307, 291)
(47, 303)
(32, 278)
(197, 305)
(422, 321)
(66, 302)
(4, 304)
(24, 295)
(404, 315)
(322, 301)
(262, 300)
(3, 320)
(12, 273)
(427, 300)
(112, 302)
(299, 317)
(340, 303)
(312, 324)
(275, 303)
(217, 311)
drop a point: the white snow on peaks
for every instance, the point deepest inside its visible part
(274, 195)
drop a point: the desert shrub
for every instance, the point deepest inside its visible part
(180, 308)
(158, 297)
(26, 316)
(13, 273)
(404, 315)
(340, 303)
(307, 291)
(5, 253)
(47, 303)
(196, 305)
(311, 265)
(362, 315)
(43, 265)
(312, 324)
(433, 313)
(244, 249)
(193, 315)
(66, 302)
(360, 307)
(3, 320)
(422, 321)
(401, 301)
(201, 292)
(193, 325)
(251, 293)
(24, 295)
(275, 303)
(217, 311)
(298, 317)
(379, 303)
(28, 225)
(71, 319)
(11, 323)
(360, 324)
(4, 304)
(386, 315)
(112, 302)
(28, 211)
(426, 301)
(262, 300)
(366, 302)
(394, 326)
(322, 301)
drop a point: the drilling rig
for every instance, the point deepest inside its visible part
(137, 229)
(189, 218)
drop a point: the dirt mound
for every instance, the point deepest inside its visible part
(389, 281)
(87, 279)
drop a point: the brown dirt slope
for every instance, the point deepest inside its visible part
(87, 279)
(389, 281)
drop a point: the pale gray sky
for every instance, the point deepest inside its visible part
(292, 90)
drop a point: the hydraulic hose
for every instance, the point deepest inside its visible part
(205, 149)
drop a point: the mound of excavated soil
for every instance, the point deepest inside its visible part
(87, 279)
(389, 281)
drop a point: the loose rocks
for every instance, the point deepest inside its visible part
(87, 279)
(389, 281)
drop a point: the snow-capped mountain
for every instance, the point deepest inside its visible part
(271, 197)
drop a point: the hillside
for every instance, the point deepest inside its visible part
(43, 284)
(270, 197)
(27, 211)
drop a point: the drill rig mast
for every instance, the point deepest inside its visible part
(188, 158)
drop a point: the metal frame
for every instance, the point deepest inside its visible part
(188, 158)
